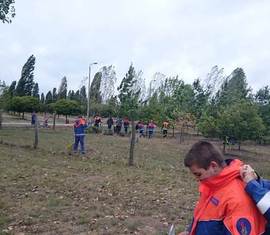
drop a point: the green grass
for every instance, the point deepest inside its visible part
(48, 191)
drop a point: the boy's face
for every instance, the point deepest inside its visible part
(201, 173)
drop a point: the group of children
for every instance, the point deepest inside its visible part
(115, 126)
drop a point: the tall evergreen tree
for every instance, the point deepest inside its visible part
(83, 97)
(36, 91)
(54, 95)
(77, 96)
(49, 98)
(11, 89)
(70, 95)
(26, 82)
(42, 98)
(62, 91)
(95, 93)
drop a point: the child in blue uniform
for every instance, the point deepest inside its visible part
(79, 134)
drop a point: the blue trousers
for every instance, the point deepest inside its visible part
(79, 139)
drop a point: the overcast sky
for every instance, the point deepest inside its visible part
(174, 37)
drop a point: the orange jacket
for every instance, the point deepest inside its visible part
(224, 208)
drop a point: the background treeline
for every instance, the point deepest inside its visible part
(217, 106)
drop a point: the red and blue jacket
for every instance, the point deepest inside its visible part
(224, 208)
(259, 190)
(79, 127)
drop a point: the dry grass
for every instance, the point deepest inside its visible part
(47, 191)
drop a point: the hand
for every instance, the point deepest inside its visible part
(247, 173)
(184, 233)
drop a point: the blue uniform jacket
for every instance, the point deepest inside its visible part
(259, 190)
(79, 128)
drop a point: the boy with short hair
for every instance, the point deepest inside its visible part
(223, 208)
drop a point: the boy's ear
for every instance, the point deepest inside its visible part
(214, 164)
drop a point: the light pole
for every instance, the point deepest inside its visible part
(88, 101)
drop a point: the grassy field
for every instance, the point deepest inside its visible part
(48, 191)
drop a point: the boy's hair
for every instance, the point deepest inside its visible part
(202, 153)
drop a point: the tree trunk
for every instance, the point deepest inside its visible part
(172, 131)
(181, 139)
(36, 132)
(239, 145)
(54, 117)
(132, 144)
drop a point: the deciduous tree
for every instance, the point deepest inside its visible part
(129, 100)
(7, 10)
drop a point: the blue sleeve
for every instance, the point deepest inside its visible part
(260, 193)
(265, 183)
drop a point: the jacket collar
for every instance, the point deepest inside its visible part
(228, 173)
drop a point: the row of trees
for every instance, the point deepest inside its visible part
(219, 106)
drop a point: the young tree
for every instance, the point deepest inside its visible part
(26, 83)
(129, 99)
(5, 96)
(7, 10)
(241, 121)
(22, 104)
(62, 91)
(67, 107)
(200, 99)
